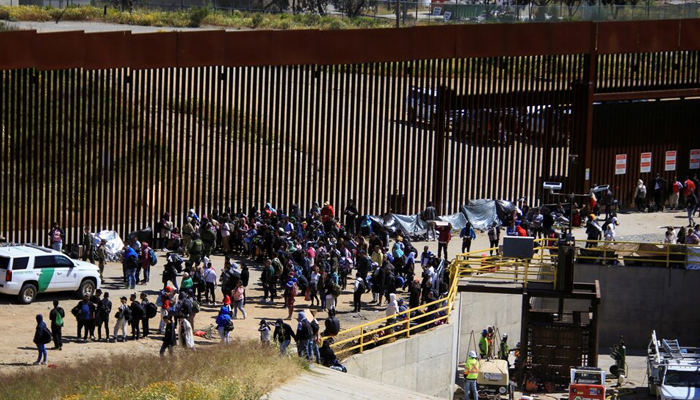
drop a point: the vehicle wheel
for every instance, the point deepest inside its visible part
(86, 286)
(28, 293)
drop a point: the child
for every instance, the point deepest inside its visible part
(264, 332)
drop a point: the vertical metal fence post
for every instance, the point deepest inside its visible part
(668, 255)
(362, 339)
(408, 325)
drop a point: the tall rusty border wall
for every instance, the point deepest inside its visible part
(109, 130)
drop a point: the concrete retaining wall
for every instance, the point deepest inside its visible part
(426, 363)
(478, 310)
(636, 300)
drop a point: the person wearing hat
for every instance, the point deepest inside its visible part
(504, 351)
(303, 335)
(327, 212)
(170, 337)
(484, 344)
(593, 230)
(224, 324)
(123, 314)
(471, 372)
(101, 253)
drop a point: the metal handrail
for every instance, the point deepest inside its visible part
(477, 265)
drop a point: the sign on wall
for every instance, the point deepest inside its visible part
(695, 159)
(645, 163)
(670, 161)
(620, 164)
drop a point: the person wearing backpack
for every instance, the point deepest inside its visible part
(283, 335)
(305, 332)
(148, 258)
(170, 336)
(150, 311)
(137, 315)
(42, 336)
(104, 309)
(224, 324)
(84, 311)
(56, 317)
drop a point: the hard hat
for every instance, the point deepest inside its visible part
(472, 354)
(505, 336)
(484, 332)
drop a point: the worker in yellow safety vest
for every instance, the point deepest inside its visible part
(484, 344)
(471, 372)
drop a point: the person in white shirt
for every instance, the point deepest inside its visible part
(186, 333)
(210, 279)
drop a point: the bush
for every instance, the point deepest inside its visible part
(257, 20)
(197, 15)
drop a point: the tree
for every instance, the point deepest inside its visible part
(351, 8)
(313, 6)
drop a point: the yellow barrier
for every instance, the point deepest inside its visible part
(477, 266)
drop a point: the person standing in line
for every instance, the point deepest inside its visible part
(41, 337)
(56, 236)
(170, 336)
(690, 206)
(101, 253)
(210, 279)
(594, 231)
(123, 316)
(84, 311)
(144, 319)
(429, 216)
(131, 259)
(136, 317)
(471, 372)
(88, 245)
(56, 316)
(104, 309)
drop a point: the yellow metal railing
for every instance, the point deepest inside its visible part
(476, 265)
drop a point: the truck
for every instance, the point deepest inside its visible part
(673, 371)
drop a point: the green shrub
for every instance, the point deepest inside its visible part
(197, 15)
(257, 20)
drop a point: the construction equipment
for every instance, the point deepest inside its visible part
(493, 380)
(618, 352)
(673, 372)
(587, 383)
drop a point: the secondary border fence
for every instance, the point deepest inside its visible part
(110, 130)
(477, 267)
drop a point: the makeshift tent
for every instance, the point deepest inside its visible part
(481, 213)
(114, 244)
(458, 220)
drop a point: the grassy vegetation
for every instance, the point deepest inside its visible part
(242, 370)
(189, 18)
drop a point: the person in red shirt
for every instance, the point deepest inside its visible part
(327, 212)
(444, 237)
(675, 193)
(689, 187)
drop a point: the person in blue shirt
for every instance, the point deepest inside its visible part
(222, 322)
(467, 234)
(130, 265)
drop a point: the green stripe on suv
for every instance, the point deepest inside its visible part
(45, 278)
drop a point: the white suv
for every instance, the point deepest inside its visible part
(27, 270)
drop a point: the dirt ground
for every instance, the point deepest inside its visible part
(18, 351)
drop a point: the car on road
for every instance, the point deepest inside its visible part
(27, 270)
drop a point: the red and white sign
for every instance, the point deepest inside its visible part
(645, 163)
(670, 161)
(695, 159)
(620, 164)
